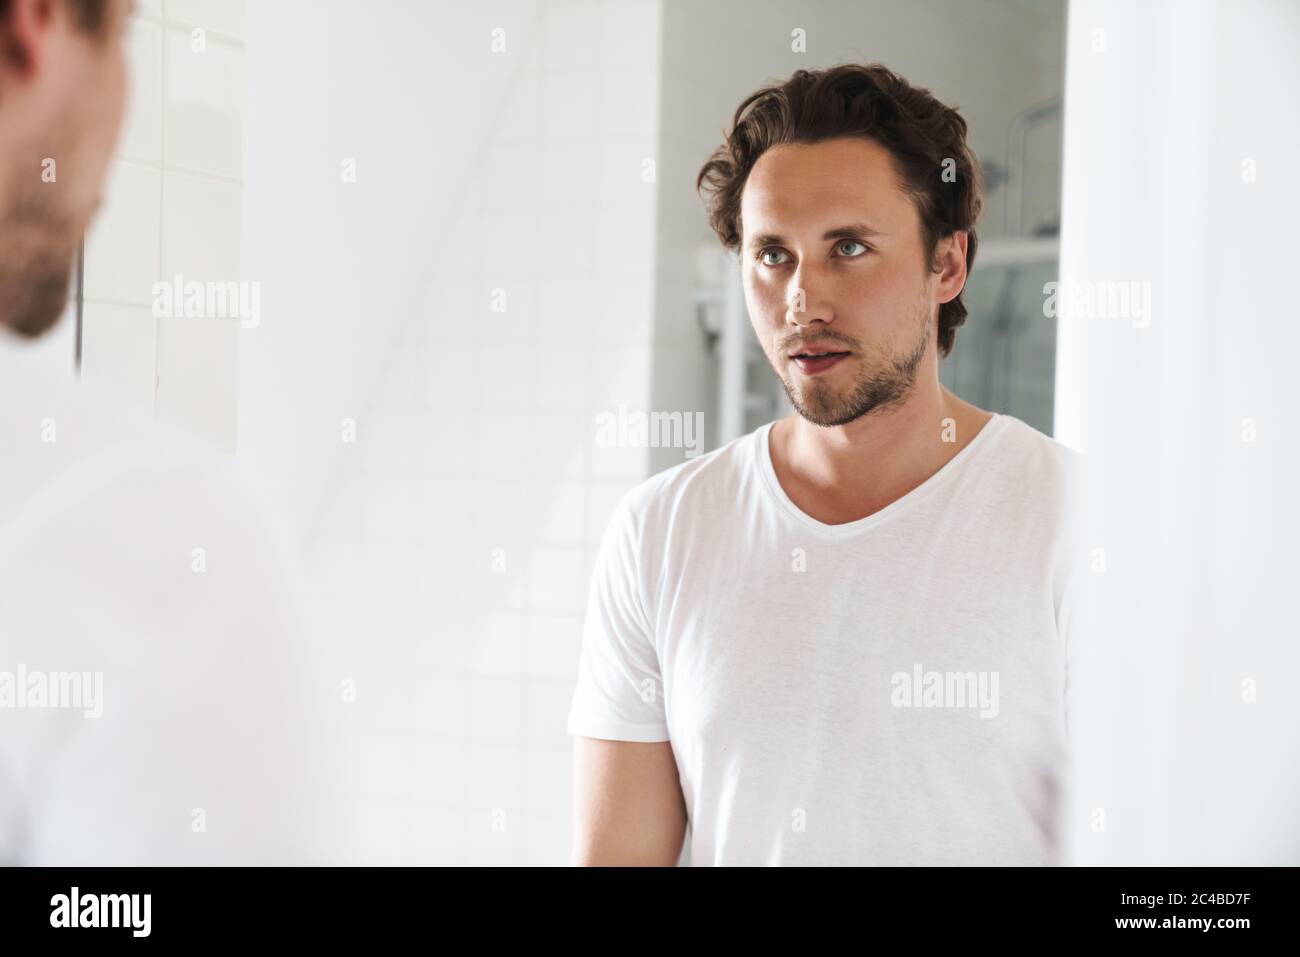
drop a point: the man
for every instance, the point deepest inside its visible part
(840, 639)
(153, 698)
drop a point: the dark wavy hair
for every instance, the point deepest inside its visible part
(870, 101)
(87, 14)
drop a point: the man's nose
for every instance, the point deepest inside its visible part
(806, 301)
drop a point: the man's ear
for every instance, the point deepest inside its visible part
(24, 30)
(950, 263)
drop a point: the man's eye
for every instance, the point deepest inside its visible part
(850, 248)
(766, 257)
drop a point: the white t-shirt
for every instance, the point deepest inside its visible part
(888, 691)
(156, 699)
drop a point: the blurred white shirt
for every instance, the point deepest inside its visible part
(129, 551)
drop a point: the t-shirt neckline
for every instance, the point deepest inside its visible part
(763, 452)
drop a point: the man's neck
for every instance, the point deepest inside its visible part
(842, 473)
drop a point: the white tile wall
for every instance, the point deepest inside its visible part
(172, 205)
(204, 99)
(482, 436)
(200, 227)
(142, 125)
(218, 16)
(118, 345)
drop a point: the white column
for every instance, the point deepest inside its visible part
(1180, 175)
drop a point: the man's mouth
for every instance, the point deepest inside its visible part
(812, 362)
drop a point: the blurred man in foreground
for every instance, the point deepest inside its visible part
(155, 704)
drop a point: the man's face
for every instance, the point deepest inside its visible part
(833, 263)
(61, 101)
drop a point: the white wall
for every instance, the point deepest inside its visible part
(402, 91)
(449, 545)
(1180, 148)
(172, 205)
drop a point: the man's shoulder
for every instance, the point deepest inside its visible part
(79, 458)
(53, 425)
(1044, 477)
(1036, 457)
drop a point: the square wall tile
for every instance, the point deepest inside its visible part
(118, 350)
(554, 646)
(200, 228)
(569, 102)
(142, 125)
(571, 36)
(223, 16)
(631, 34)
(496, 710)
(557, 579)
(203, 114)
(198, 365)
(122, 245)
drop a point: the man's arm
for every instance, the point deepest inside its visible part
(628, 807)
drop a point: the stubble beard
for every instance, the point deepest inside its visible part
(879, 384)
(37, 247)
